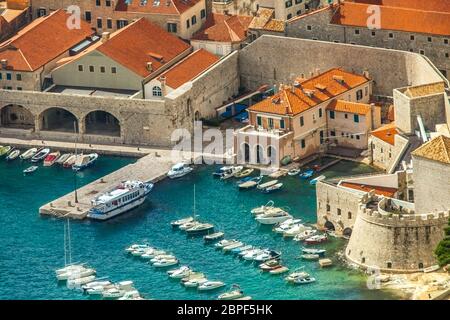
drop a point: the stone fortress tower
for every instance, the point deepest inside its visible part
(398, 236)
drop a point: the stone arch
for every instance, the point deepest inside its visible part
(259, 152)
(329, 225)
(197, 115)
(16, 116)
(245, 151)
(101, 122)
(272, 154)
(347, 232)
(58, 119)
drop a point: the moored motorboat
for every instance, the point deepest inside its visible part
(231, 172)
(30, 170)
(151, 253)
(179, 170)
(233, 246)
(252, 254)
(13, 155)
(310, 256)
(224, 243)
(4, 150)
(75, 274)
(122, 198)
(235, 293)
(237, 250)
(189, 225)
(28, 154)
(200, 228)
(263, 209)
(179, 273)
(286, 225)
(266, 255)
(63, 158)
(294, 172)
(306, 174)
(273, 217)
(281, 269)
(213, 236)
(296, 229)
(273, 188)
(298, 273)
(51, 158)
(161, 257)
(305, 234)
(70, 161)
(267, 184)
(244, 173)
(314, 251)
(134, 247)
(131, 295)
(250, 183)
(165, 263)
(40, 155)
(210, 285)
(194, 283)
(78, 282)
(304, 280)
(85, 161)
(317, 239)
(178, 223)
(269, 265)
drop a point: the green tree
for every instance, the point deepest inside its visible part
(442, 251)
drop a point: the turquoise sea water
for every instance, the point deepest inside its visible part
(32, 246)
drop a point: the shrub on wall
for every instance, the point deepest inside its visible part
(442, 251)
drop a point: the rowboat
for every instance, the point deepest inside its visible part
(315, 180)
(51, 158)
(85, 161)
(273, 188)
(251, 183)
(281, 269)
(277, 174)
(267, 184)
(13, 155)
(4, 150)
(294, 172)
(63, 158)
(30, 170)
(244, 173)
(28, 154)
(40, 155)
(70, 161)
(213, 236)
(306, 174)
(310, 256)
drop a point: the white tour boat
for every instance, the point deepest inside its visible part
(179, 170)
(126, 196)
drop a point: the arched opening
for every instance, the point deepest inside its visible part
(420, 265)
(347, 232)
(245, 148)
(259, 154)
(102, 123)
(272, 154)
(197, 115)
(16, 116)
(188, 106)
(329, 225)
(58, 119)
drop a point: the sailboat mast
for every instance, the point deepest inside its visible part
(65, 246)
(76, 157)
(69, 241)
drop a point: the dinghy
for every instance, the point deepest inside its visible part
(63, 158)
(273, 188)
(250, 183)
(51, 158)
(30, 170)
(85, 161)
(244, 173)
(306, 174)
(294, 172)
(13, 155)
(70, 161)
(40, 155)
(213, 236)
(28, 154)
(4, 150)
(267, 184)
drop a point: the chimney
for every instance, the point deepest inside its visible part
(4, 63)
(366, 74)
(162, 79)
(150, 66)
(105, 36)
(317, 71)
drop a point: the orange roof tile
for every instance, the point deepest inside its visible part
(386, 133)
(326, 8)
(141, 42)
(379, 190)
(42, 41)
(425, 5)
(189, 68)
(395, 18)
(224, 28)
(294, 100)
(437, 149)
(349, 107)
(175, 7)
(264, 20)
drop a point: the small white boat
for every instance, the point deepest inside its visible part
(224, 243)
(200, 228)
(63, 158)
(71, 160)
(51, 158)
(314, 251)
(102, 283)
(13, 155)
(266, 255)
(317, 239)
(134, 247)
(85, 161)
(98, 290)
(151, 253)
(163, 257)
(273, 188)
(296, 275)
(305, 235)
(179, 170)
(70, 268)
(273, 217)
(263, 209)
(250, 183)
(239, 249)
(304, 280)
(286, 225)
(165, 263)
(294, 172)
(244, 173)
(233, 246)
(295, 230)
(210, 285)
(213, 236)
(78, 282)
(40, 155)
(244, 298)
(231, 172)
(235, 293)
(281, 269)
(310, 256)
(267, 184)
(131, 295)
(315, 180)
(28, 154)
(252, 254)
(193, 275)
(189, 225)
(76, 273)
(30, 170)
(194, 283)
(178, 223)
(179, 273)
(113, 293)
(270, 265)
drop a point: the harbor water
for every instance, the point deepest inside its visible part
(33, 246)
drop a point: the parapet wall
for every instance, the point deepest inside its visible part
(274, 60)
(395, 243)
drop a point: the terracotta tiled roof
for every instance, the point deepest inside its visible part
(42, 41)
(264, 20)
(175, 7)
(349, 107)
(294, 100)
(395, 18)
(224, 28)
(189, 68)
(326, 8)
(425, 5)
(386, 133)
(425, 90)
(141, 42)
(379, 190)
(437, 149)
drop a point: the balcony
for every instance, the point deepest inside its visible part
(261, 132)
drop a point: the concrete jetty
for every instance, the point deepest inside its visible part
(149, 168)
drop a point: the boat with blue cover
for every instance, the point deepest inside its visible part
(306, 174)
